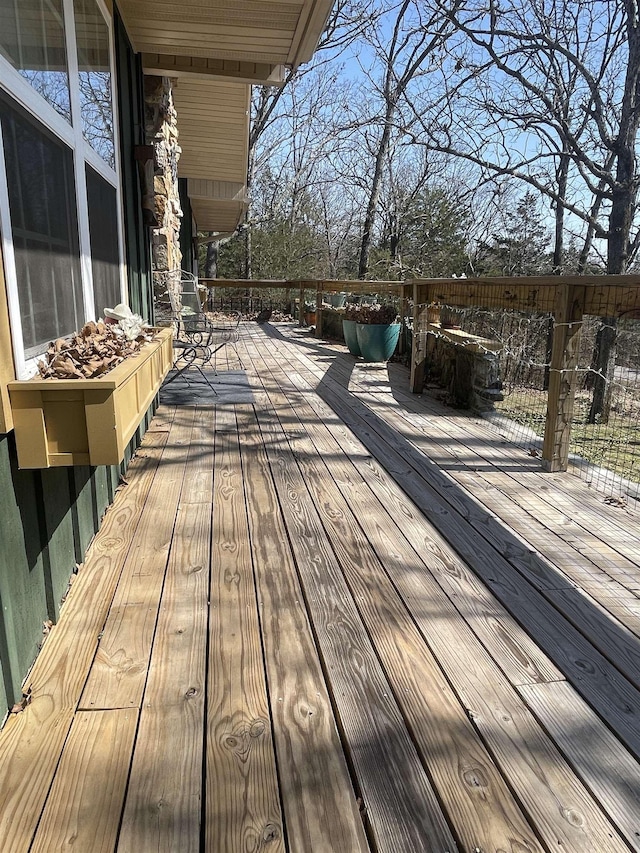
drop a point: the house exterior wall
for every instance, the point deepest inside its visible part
(48, 517)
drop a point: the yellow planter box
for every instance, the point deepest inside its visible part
(87, 421)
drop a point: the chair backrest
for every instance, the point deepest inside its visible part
(192, 310)
(191, 306)
(188, 282)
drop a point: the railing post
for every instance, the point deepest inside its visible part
(418, 351)
(402, 347)
(568, 313)
(319, 289)
(301, 307)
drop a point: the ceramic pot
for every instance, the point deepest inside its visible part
(377, 341)
(351, 336)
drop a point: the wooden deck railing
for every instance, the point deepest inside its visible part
(315, 289)
(568, 299)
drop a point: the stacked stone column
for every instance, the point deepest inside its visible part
(161, 126)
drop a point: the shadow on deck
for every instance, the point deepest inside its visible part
(332, 616)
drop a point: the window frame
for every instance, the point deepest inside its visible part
(71, 135)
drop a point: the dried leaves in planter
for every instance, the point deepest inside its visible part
(92, 351)
(372, 314)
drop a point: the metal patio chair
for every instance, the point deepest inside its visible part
(199, 329)
(193, 332)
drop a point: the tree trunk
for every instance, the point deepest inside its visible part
(621, 217)
(374, 195)
(211, 261)
(603, 366)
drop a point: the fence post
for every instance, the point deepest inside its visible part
(563, 376)
(403, 320)
(319, 289)
(301, 307)
(418, 352)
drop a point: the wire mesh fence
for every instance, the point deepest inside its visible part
(604, 438)
(605, 444)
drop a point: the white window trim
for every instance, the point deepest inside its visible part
(19, 89)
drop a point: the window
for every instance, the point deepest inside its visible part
(94, 72)
(103, 228)
(32, 39)
(41, 188)
(60, 215)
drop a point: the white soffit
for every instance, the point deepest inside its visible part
(213, 133)
(213, 128)
(221, 217)
(271, 32)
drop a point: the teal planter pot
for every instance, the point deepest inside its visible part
(351, 336)
(377, 342)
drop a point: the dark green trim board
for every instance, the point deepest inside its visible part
(186, 226)
(131, 112)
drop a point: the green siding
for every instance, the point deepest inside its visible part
(59, 553)
(47, 519)
(23, 590)
(85, 523)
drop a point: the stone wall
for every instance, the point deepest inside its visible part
(466, 365)
(161, 126)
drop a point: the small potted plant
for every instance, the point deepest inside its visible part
(376, 329)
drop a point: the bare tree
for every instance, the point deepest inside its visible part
(548, 92)
(347, 22)
(418, 32)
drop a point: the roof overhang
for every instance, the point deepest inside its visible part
(213, 124)
(217, 49)
(259, 34)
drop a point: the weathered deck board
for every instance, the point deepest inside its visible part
(611, 637)
(243, 807)
(479, 805)
(119, 670)
(592, 674)
(403, 812)
(505, 640)
(164, 799)
(538, 773)
(82, 812)
(554, 533)
(457, 432)
(319, 802)
(607, 768)
(31, 743)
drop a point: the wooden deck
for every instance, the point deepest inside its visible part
(326, 615)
